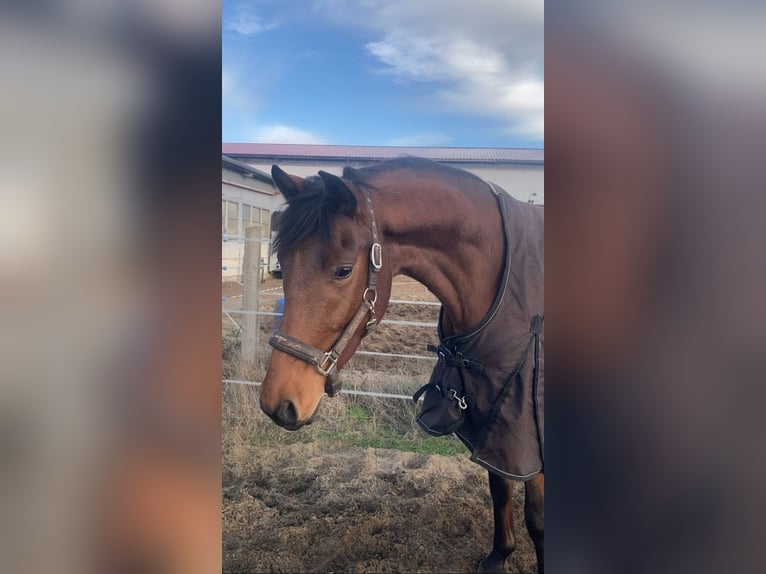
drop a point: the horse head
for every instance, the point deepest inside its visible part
(335, 287)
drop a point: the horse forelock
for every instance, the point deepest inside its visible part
(308, 214)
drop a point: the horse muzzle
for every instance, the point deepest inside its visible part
(286, 415)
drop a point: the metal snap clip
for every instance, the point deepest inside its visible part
(460, 400)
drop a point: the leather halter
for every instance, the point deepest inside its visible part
(326, 362)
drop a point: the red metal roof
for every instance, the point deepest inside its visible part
(349, 152)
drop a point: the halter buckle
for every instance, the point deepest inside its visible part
(330, 358)
(376, 256)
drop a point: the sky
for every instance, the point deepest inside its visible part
(383, 72)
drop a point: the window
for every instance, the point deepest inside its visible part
(250, 215)
(265, 218)
(232, 213)
(245, 217)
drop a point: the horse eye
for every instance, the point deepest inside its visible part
(344, 271)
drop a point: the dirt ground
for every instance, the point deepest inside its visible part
(317, 508)
(323, 507)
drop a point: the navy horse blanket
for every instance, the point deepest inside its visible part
(487, 386)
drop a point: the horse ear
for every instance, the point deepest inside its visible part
(337, 190)
(289, 185)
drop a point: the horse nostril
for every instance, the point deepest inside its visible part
(287, 414)
(265, 408)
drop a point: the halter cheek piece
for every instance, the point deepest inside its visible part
(326, 362)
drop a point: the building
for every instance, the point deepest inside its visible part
(249, 198)
(518, 171)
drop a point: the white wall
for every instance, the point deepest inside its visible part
(261, 196)
(232, 253)
(519, 180)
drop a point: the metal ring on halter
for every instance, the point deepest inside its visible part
(374, 296)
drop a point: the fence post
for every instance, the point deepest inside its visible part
(251, 286)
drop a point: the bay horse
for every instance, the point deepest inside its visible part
(340, 243)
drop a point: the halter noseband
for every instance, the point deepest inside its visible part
(326, 362)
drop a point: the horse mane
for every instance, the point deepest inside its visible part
(306, 214)
(311, 212)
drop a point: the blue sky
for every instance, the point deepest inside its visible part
(383, 72)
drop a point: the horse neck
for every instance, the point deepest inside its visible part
(448, 238)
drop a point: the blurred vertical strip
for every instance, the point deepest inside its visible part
(109, 326)
(655, 287)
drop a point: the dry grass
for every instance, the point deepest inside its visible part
(362, 421)
(350, 419)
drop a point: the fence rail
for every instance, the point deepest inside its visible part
(275, 314)
(343, 391)
(248, 326)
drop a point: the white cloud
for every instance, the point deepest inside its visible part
(228, 87)
(434, 59)
(247, 22)
(279, 133)
(484, 58)
(234, 96)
